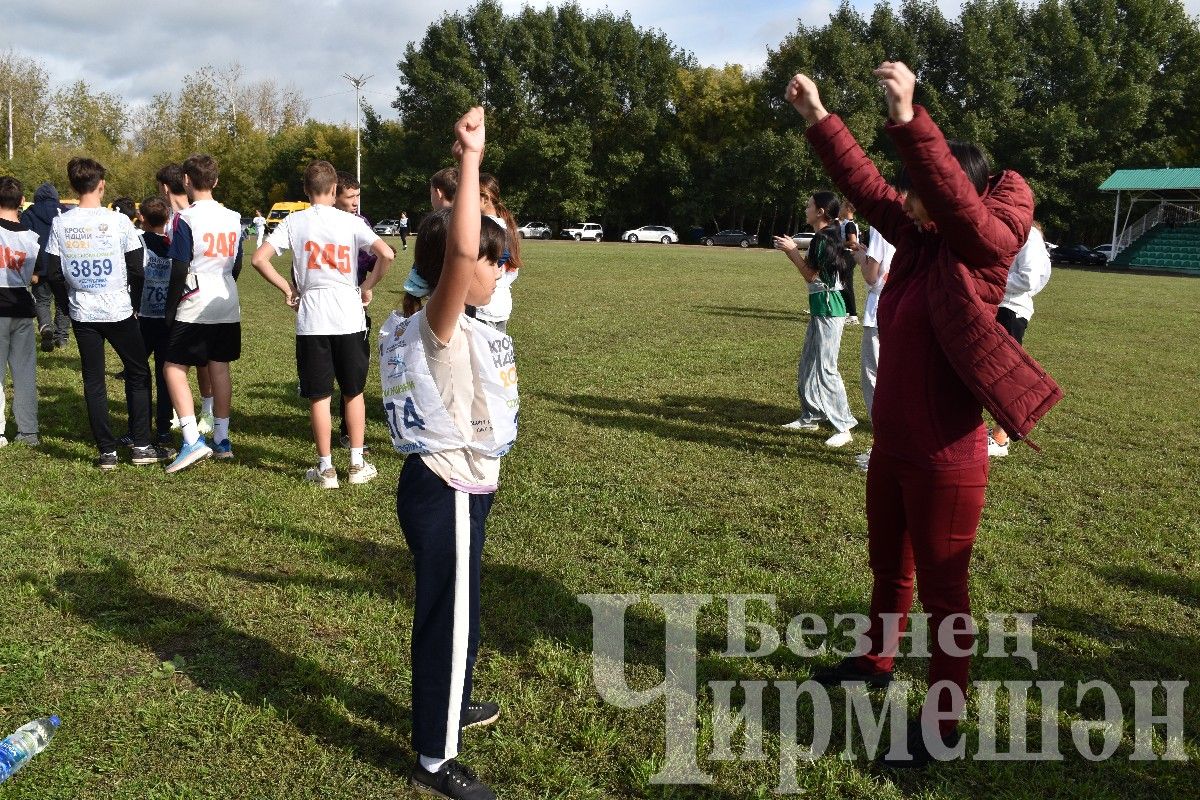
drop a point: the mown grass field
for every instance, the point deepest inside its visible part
(232, 632)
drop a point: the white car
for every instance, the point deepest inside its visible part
(803, 239)
(583, 230)
(651, 233)
(534, 230)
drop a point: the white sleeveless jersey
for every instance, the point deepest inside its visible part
(154, 290)
(415, 413)
(325, 243)
(92, 243)
(216, 232)
(18, 256)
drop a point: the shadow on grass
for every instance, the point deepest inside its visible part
(1184, 590)
(784, 315)
(737, 423)
(220, 658)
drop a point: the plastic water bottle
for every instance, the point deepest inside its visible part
(25, 743)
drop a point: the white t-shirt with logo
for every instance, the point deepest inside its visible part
(215, 233)
(882, 251)
(92, 243)
(325, 242)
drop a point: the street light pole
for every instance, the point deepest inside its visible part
(358, 81)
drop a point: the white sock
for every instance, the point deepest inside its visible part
(206, 407)
(432, 764)
(356, 456)
(188, 426)
(324, 463)
(220, 429)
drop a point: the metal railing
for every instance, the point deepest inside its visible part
(1163, 212)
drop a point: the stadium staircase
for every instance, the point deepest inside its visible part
(1166, 240)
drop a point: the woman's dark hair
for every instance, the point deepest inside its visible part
(429, 253)
(970, 157)
(827, 202)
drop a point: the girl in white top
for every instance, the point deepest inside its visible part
(497, 312)
(449, 390)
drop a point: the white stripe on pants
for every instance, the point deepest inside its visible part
(818, 382)
(462, 617)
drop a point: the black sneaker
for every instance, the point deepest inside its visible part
(918, 755)
(453, 780)
(166, 446)
(47, 333)
(847, 670)
(126, 440)
(479, 715)
(107, 461)
(148, 455)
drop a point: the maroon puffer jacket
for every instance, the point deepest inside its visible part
(960, 263)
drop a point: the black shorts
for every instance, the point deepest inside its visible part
(194, 344)
(320, 359)
(1015, 325)
(156, 334)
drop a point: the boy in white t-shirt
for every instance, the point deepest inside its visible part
(95, 267)
(203, 310)
(330, 322)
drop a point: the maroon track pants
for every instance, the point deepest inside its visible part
(925, 520)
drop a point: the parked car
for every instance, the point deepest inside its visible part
(583, 230)
(803, 239)
(651, 233)
(1079, 254)
(1104, 250)
(534, 230)
(729, 238)
(388, 227)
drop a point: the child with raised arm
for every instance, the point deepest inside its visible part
(450, 395)
(330, 322)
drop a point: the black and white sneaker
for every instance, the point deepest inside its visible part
(107, 461)
(479, 715)
(48, 341)
(149, 454)
(126, 440)
(453, 780)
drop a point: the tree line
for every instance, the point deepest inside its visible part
(593, 119)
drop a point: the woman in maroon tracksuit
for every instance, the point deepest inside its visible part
(956, 230)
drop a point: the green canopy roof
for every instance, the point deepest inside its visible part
(1152, 180)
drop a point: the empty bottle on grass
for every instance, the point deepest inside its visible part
(25, 743)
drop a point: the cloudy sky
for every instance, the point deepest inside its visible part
(137, 48)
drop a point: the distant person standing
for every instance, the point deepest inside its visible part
(404, 229)
(850, 235)
(38, 218)
(1028, 275)
(875, 260)
(260, 225)
(18, 255)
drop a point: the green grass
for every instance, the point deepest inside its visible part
(232, 632)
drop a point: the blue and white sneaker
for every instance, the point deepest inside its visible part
(189, 454)
(222, 450)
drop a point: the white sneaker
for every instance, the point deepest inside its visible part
(3, 441)
(363, 473)
(326, 480)
(839, 439)
(205, 424)
(863, 460)
(997, 450)
(800, 425)
(851, 320)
